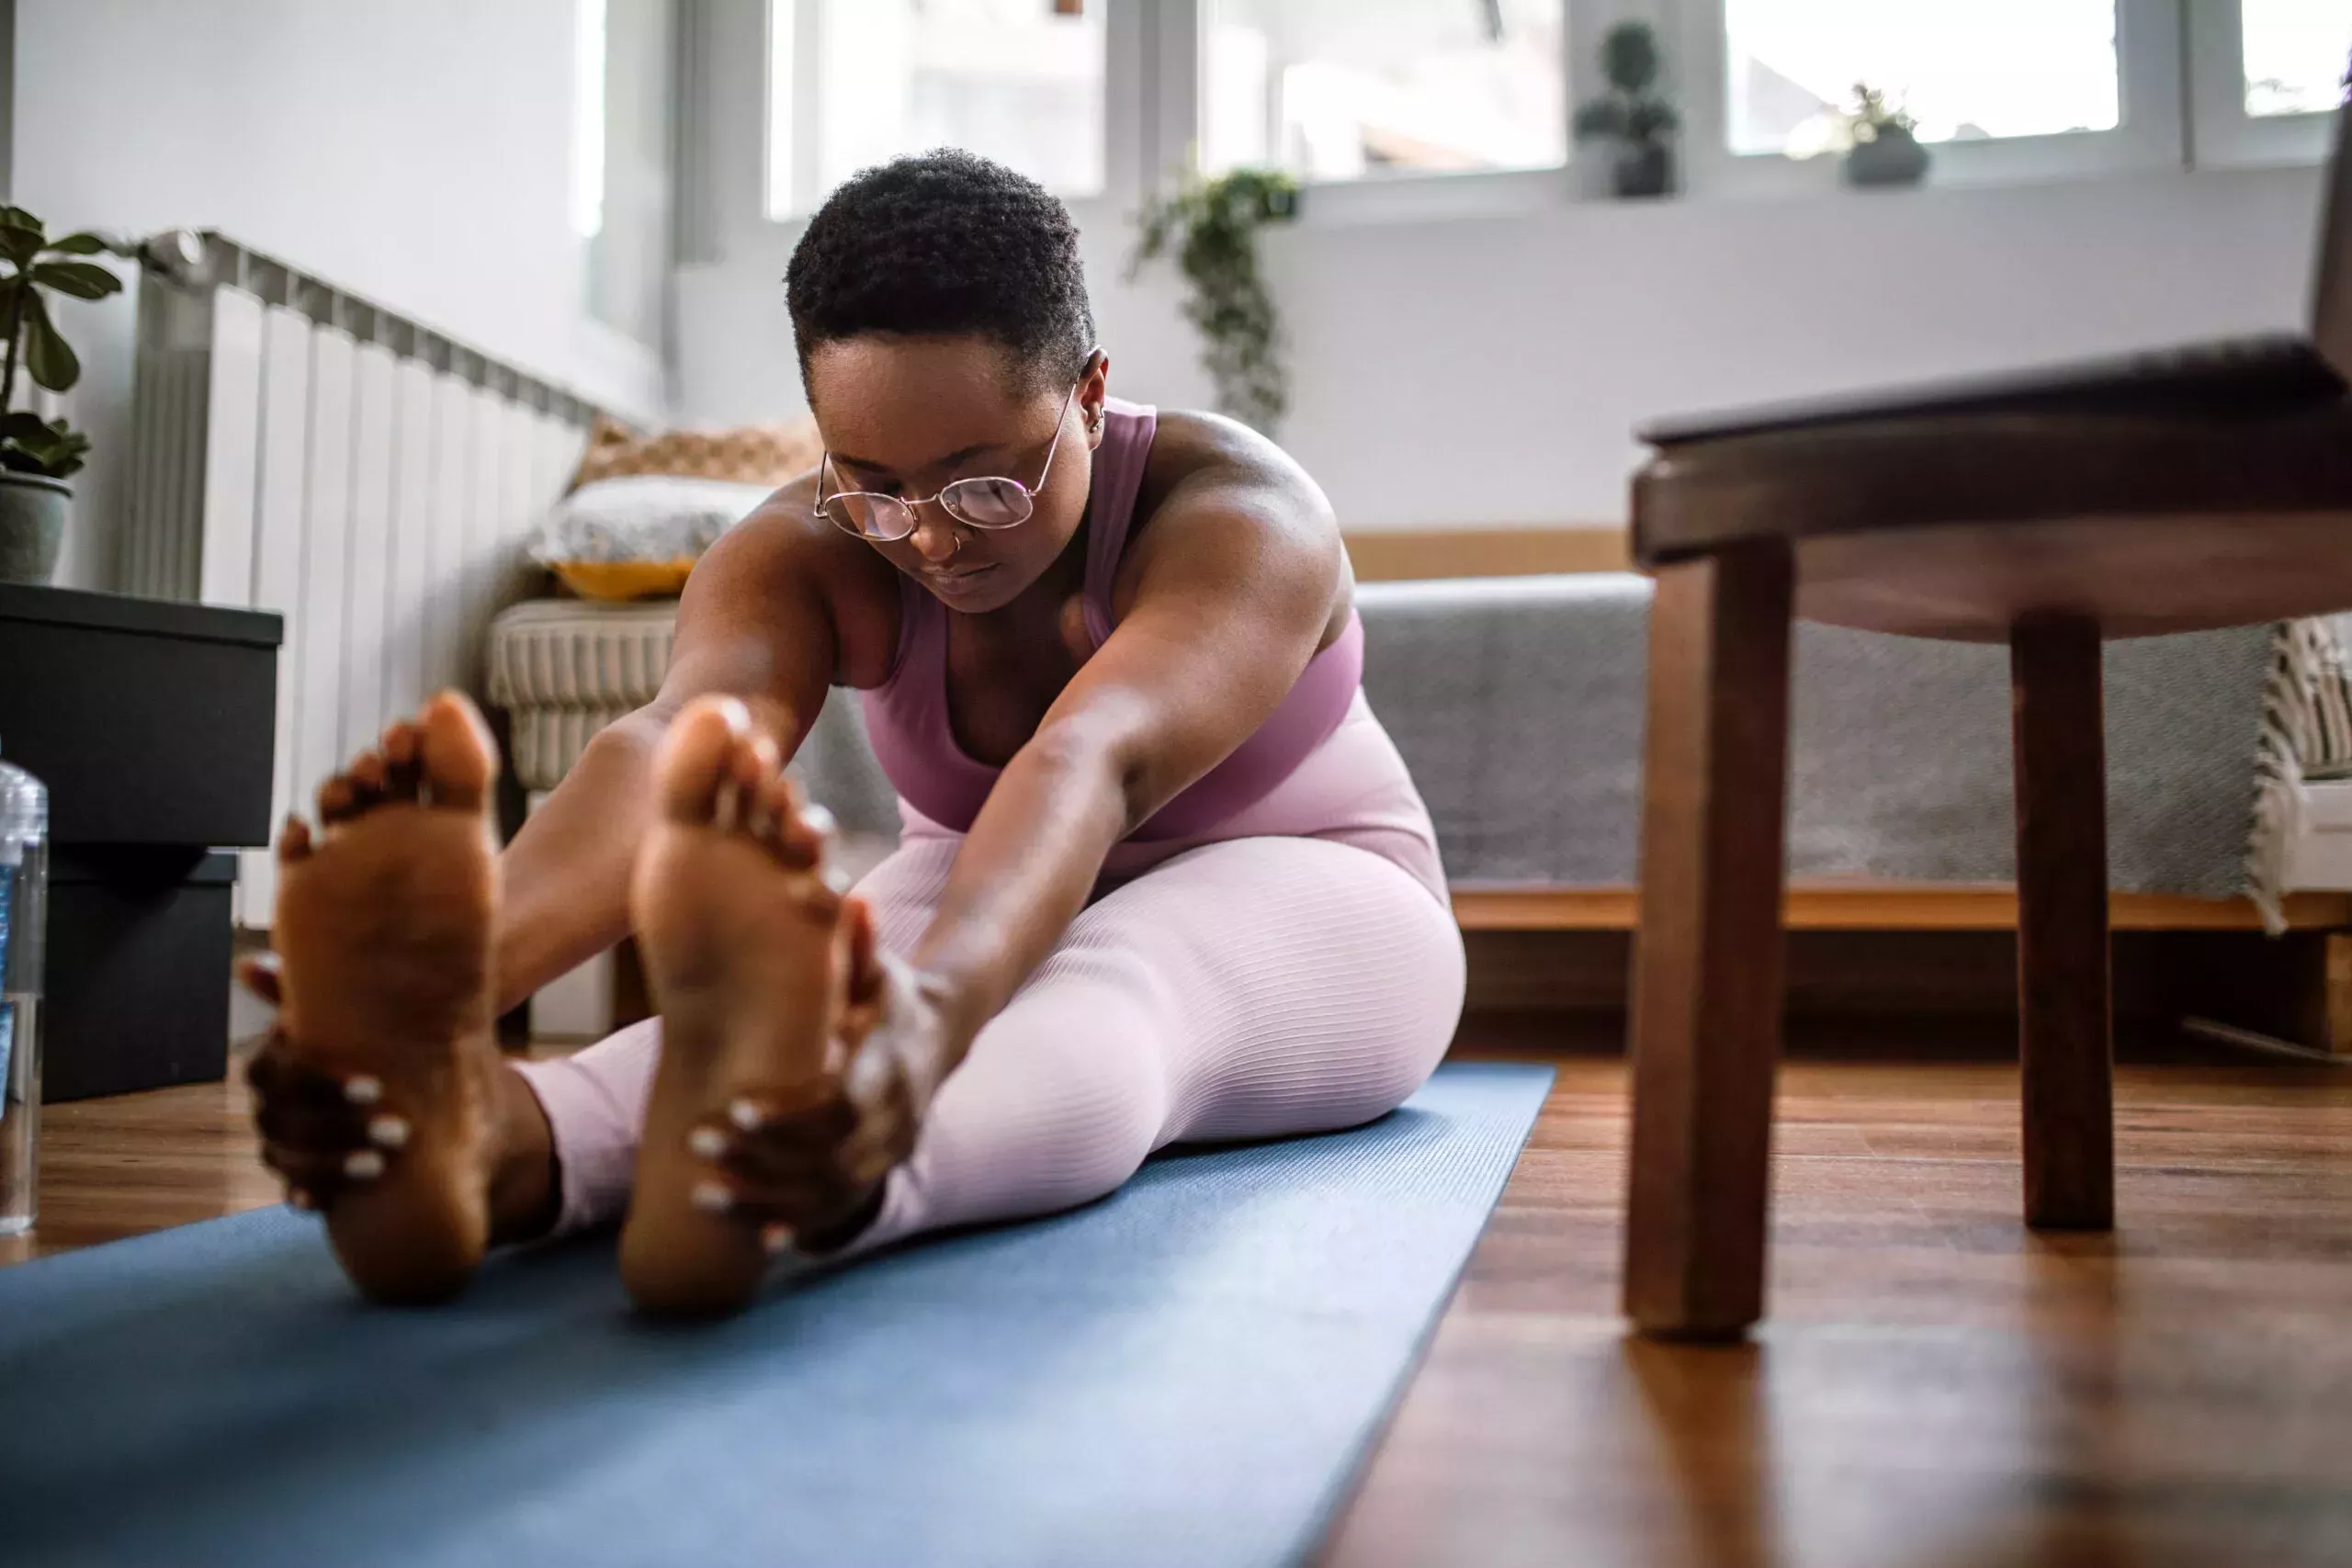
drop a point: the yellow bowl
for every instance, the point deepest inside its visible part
(619, 580)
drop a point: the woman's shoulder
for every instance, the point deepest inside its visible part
(1195, 452)
(1198, 456)
(1215, 488)
(784, 559)
(1185, 441)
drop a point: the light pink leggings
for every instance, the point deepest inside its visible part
(1244, 988)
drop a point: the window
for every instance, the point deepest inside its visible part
(2291, 55)
(2262, 75)
(1968, 70)
(1383, 104)
(2003, 90)
(1356, 89)
(856, 82)
(620, 164)
(588, 118)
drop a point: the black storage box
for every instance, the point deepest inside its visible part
(138, 952)
(153, 722)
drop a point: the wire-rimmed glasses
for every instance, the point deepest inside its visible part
(988, 501)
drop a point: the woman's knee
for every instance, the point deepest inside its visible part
(1056, 1106)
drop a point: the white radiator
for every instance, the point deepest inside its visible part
(296, 448)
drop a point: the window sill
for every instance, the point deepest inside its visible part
(1439, 199)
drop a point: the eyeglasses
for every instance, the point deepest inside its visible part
(989, 502)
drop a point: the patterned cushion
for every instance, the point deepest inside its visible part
(754, 454)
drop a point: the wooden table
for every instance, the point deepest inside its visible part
(2049, 531)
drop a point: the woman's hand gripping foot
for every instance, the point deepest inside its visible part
(796, 1060)
(380, 1095)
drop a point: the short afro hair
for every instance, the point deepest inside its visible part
(946, 243)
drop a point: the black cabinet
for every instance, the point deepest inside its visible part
(152, 723)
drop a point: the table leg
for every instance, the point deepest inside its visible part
(1706, 1020)
(2066, 1025)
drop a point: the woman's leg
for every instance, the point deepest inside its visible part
(1243, 990)
(595, 1099)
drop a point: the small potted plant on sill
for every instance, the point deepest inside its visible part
(1631, 114)
(38, 456)
(1882, 143)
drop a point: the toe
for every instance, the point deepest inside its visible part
(751, 763)
(401, 747)
(806, 827)
(369, 775)
(751, 768)
(780, 813)
(864, 988)
(339, 800)
(697, 757)
(460, 761)
(294, 841)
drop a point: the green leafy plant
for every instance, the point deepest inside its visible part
(29, 443)
(1632, 113)
(1212, 226)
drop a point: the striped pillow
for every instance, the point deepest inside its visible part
(767, 455)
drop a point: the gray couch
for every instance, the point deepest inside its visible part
(1518, 703)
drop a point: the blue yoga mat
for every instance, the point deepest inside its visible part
(1187, 1372)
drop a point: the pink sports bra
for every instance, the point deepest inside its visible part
(907, 718)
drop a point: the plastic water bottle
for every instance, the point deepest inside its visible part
(24, 901)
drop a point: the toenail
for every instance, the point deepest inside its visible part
(363, 1089)
(707, 1142)
(744, 1114)
(389, 1132)
(363, 1165)
(816, 819)
(296, 1198)
(775, 1238)
(836, 880)
(711, 1197)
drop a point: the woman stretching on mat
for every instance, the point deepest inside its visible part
(1163, 877)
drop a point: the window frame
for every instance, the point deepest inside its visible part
(1393, 198)
(2180, 87)
(2222, 135)
(2148, 134)
(1128, 98)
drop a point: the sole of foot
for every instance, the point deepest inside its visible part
(383, 938)
(742, 931)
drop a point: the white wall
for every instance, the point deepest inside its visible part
(416, 151)
(1490, 369)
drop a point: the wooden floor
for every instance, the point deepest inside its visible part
(1936, 1386)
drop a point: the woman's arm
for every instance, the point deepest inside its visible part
(756, 622)
(1235, 584)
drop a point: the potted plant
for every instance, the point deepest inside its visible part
(38, 456)
(1631, 114)
(1882, 142)
(1213, 227)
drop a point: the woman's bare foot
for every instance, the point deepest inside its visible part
(385, 1027)
(765, 978)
